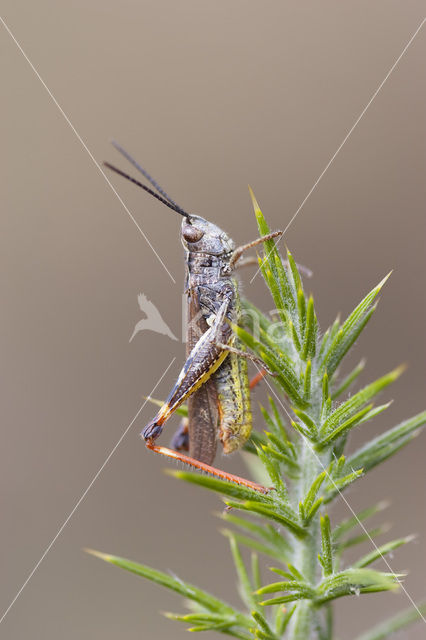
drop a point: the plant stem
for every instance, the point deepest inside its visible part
(304, 619)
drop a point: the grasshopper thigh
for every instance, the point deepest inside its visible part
(202, 362)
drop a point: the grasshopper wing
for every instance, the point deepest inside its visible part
(203, 405)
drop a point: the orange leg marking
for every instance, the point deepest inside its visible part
(257, 378)
(223, 475)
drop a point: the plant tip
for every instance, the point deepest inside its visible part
(254, 201)
(382, 282)
(97, 554)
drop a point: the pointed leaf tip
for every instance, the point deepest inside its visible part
(253, 199)
(383, 282)
(172, 472)
(401, 369)
(98, 554)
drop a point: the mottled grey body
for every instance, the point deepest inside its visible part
(214, 382)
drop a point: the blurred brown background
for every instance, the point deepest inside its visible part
(209, 96)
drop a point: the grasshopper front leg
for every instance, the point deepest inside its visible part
(238, 252)
(248, 356)
(253, 261)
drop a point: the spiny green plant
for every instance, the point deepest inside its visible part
(302, 453)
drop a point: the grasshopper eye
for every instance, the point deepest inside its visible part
(191, 233)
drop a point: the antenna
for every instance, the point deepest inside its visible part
(168, 203)
(144, 173)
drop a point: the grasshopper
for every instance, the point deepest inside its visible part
(214, 379)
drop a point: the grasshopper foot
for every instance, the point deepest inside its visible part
(151, 431)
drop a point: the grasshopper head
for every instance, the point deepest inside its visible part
(200, 236)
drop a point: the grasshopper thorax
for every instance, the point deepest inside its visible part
(200, 236)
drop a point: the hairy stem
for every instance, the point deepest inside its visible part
(306, 549)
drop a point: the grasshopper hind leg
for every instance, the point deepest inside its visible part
(204, 359)
(201, 466)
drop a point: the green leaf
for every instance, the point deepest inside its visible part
(336, 485)
(265, 532)
(221, 486)
(272, 267)
(213, 618)
(345, 426)
(297, 586)
(355, 581)
(181, 411)
(276, 360)
(255, 545)
(311, 327)
(347, 409)
(328, 337)
(307, 383)
(211, 603)
(314, 509)
(272, 467)
(237, 626)
(297, 280)
(282, 619)
(307, 421)
(362, 537)
(262, 635)
(224, 629)
(291, 466)
(264, 626)
(246, 589)
(294, 335)
(308, 501)
(327, 547)
(256, 439)
(286, 291)
(375, 411)
(325, 392)
(384, 446)
(278, 421)
(238, 634)
(301, 307)
(269, 421)
(278, 513)
(396, 623)
(204, 621)
(252, 318)
(286, 447)
(347, 525)
(303, 430)
(292, 573)
(349, 380)
(290, 597)
(336, 465)
(378, 553)
(272, 281)
(255, 571)
(210, 622)
(350, 330)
